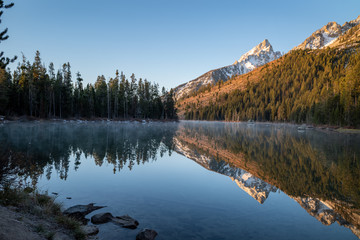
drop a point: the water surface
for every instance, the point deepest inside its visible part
(196, 180)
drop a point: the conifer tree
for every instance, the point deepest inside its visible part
(4, 61)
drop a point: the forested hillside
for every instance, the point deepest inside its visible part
(312, 86)
(37, 91)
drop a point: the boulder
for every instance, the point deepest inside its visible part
(101, 218)
(80, 211)
(126, 221)
(146, 234)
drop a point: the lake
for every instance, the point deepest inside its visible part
(195, 180)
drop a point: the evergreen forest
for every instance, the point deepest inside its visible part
(42, 92)
(305, 86)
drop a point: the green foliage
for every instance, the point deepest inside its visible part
(10, 196)
(321, 87)
(72, 225)
(36, 91)
(5, 88)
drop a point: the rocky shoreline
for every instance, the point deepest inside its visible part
(29, 215)
(79, 212)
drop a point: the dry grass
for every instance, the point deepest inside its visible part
(348, 130)
(30, 201)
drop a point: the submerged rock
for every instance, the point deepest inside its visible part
(80, 211)
(146, 234)
(125, 221)
(101, 218)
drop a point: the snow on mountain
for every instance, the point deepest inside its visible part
(255, 187)
(327, 212)
(256, 57)
(318, 209)
(326, 35)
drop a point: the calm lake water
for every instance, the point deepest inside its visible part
(196, 180)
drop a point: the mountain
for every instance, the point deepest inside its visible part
(317, 86)
(260, 167)
(256, 57)
(253, 186)
(326, 35)
(348, 40)
(327, 213)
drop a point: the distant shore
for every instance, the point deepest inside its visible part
(320, 127)
(332, 128)
(97, 119)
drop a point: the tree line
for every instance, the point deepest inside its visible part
(318, 86)
(37, 91)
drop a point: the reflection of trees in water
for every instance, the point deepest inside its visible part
(317, 164)
(319, 170)
(32, 149)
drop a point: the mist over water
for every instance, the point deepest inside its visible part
(195, 180)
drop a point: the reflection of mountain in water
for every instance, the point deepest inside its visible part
(327, 213)
(255, 187)
(324, 180)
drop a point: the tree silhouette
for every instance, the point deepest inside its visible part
(4, 61)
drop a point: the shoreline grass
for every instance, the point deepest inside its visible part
(29, 201)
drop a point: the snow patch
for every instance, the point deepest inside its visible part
(259, 55)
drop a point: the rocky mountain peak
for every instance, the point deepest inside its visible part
(259, 55)
(326, 35)
(262, 48)
(333, 29)
(356, 21)
(347, 25)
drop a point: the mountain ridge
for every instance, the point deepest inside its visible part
(291, 88)
(249, 183)
(256, 57)
(326, 35)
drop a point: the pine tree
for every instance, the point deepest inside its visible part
(4, 91)
(67, 90)
(51, 90)
(101, 93)
(4, 61)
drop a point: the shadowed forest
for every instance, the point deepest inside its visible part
(36, 91)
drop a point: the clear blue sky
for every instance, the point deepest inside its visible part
(165, 41)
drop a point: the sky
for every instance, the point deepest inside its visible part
(165, 41)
